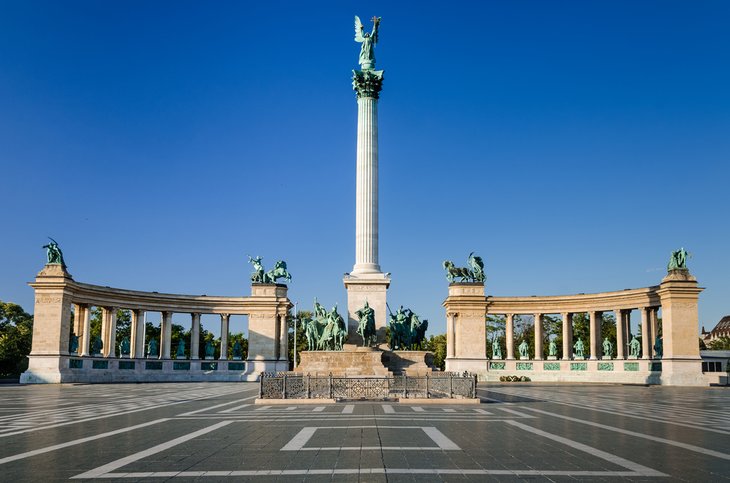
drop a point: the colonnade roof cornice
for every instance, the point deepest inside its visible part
(103, 296)
(556, 304)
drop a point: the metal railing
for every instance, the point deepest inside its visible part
(294, 385)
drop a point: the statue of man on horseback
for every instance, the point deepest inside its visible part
(366, 325)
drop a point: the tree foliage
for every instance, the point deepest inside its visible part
(437, 345)
(16, 333)
(720, 344)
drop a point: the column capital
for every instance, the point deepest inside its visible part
(367, 83)
(225, 316)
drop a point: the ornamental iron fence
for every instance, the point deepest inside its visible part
(295, 385)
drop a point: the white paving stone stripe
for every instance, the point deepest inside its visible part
(189, 413)
(615, 459)
(369, 471)
(97, 472)
(697, 449)
(75, 442)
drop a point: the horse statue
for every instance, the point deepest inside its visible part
(279, 271)
(474, 273)
(366, 325)
(453, 272)
(407, 332)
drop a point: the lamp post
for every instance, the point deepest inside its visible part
(296, 316)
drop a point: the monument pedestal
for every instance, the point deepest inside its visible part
(370, 288)
(364, 361)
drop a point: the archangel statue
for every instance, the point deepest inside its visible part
(407, 332)
(54, 253)
(368, 41)
(473, 273)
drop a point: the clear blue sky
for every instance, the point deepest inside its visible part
(572, 145)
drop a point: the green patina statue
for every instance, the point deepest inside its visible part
(237, 351)
(607, 348)
(261, 276)
(579, 349)
(366, 325)
(634, 347)
(54, 254)
(552, 348)
(658, 347)
(325, 331)
(474, 273)
(73, 344)
(496, 348)
(524, 350)
(153, 349)
(209, 350)
(407, 332)
(678, 260)
(96, 345)
(368, 41)
(124, 346)
(180, 354)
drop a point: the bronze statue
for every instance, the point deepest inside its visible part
(475, 272)
(407, 332)
(607, 348)
(152, 349)
(634, 347)
(678, 260)
(325, 330)
(366, 325)
(180, 354)
(579, 349)
(368, 41)
(524, 350)
(54, 254)
(261, 276)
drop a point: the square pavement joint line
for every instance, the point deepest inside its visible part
(302, 438)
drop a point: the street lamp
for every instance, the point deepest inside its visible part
(296, 316)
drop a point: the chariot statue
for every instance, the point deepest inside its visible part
(259, 275)
(473, 273)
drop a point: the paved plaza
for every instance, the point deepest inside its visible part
(215, 432)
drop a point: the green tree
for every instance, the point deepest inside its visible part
(495, 330)
(232, 338)
(437, 345)
(301, 337)
(720, 344)
(16, 333)
(703, 346)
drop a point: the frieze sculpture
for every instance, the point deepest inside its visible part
(552, 348)
(366, 325)
(473, 273)
(579, 349)
(496, 348)
(180, 353)
(260, 276)
(524, 350)
(54, 255)
(152, 349)
(325, 331)
(407, 332)
(634, 347)
(678, 260)
(607, 348)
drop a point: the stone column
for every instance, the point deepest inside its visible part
(619, 333)
(136, 348)
(450, 337)
(645, 333)
(165, 335)
(595, 333)
(195, 337)
(86, 332)
(567, 336)
(78, 319)
(109, 331)
(509, 335)
(538, 337)
(653, 327)
(225, 318)
(283, 339)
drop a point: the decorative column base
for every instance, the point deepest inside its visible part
(682, 372)
(46, 369)
(370, 288)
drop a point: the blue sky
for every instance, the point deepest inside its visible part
(573, 145)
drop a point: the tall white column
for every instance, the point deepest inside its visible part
(538, 337)
(645, 334)
(225, 318)
(567, 336)
(138, 333)
(195, 337)
(166, 335)
(595, 333)
(619, 333)
(283, 339)
(86, 332)
(509, 335)
(653, 328)
(450, 335)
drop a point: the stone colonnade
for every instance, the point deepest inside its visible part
(56, 292)
(679, 363)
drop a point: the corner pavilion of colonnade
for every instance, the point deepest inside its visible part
(678, 363)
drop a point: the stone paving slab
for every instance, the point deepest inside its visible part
(214, 432)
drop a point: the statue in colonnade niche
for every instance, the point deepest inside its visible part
(407, 332)
(524, 350)
(124, 347)
(180, 354)
(496, 348)
(658, 347)
(579, 349)
(634, 347)
(475, 272)
(366, 325)
(237, 351)
(73, 344)
(261, 276)
(552, 348)
(153, 349)
(54, 255)
(96, 346)
(678, 260)
(209, 350)
(607, 348)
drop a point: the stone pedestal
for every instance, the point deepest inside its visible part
(268, 303)
(370, 288)
(411, 363)
(466, 307)
(363, 361)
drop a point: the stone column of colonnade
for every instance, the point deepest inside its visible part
(653, 329)
(109, 331)
(567, 335)
(136, 343)
(85, 336)
(645, 343)
(165, 335)
(538, 336)
(509, 335)
(283, 339)
(620, 325)
(195, 337)
(594, 331)
(450, 336)
(225, 320)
